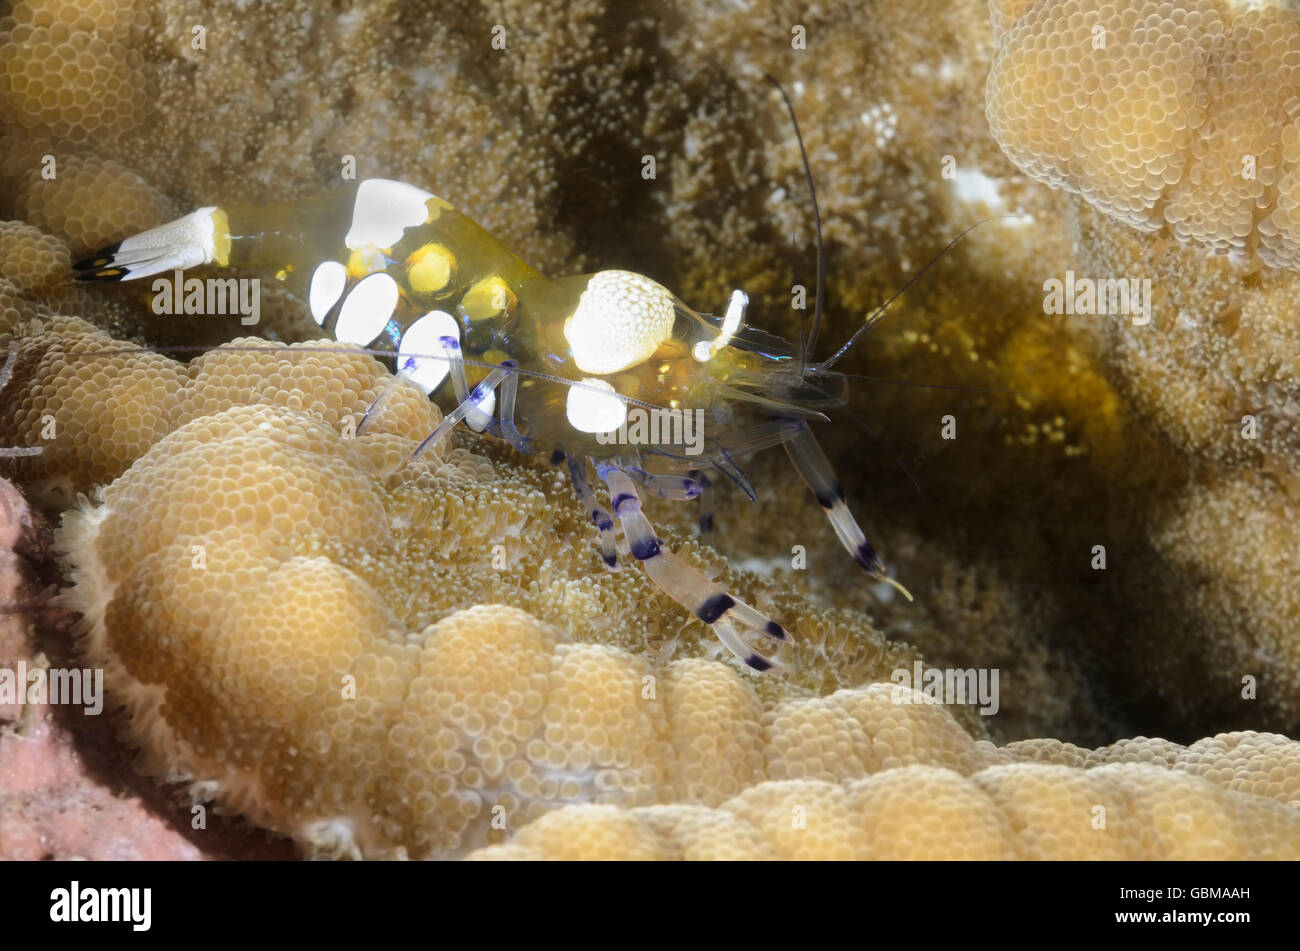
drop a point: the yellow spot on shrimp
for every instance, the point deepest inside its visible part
(366, 260)
(491, 297)
(430, 268)
(220, 238)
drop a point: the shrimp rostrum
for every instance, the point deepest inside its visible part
(565, 364)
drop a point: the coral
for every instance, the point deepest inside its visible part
(1229, 539)
(527, 510)
(67, 68)
(1103, 427)
(93, 415)
(90, 202)
(1215, 378)
(67, 789)
(1192, 147)
(465, 708)
(49, 808)
(1165, 115)
(31, 259)
(464, 729)
(1221, 346)
(530, 140)
(923, 812)
(1227, 797)
(489, 714)
(727, 202)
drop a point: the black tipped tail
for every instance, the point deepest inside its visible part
(201, 237)
(100, 265)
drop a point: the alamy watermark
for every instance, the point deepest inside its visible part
(133, 906)
(1109, 296)
(208, 297)
(74, 687)
(948, 685)
(659, 427)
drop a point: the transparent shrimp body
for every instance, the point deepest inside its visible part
(624, 339)
(565, 363)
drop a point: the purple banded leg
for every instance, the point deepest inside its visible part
(377, 405)
(674, 487)
(686, 585)
(706, 504)
(509, 388)
(476, 418)
(466, 406)
(816, 470)
(6, 372)
(595, 511)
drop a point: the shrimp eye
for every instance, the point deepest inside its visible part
(621, 319)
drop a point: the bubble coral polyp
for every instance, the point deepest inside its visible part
(1160, 113)
(309, 705)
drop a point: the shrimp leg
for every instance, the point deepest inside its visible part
(706, 504)
(687, 586)
(377, 405)
(815, 468)
(509, 388)
(595, 511)
(478, 414)
(695, 484)
(476, 401)
(673, 487)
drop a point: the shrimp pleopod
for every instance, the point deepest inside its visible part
(610, 371)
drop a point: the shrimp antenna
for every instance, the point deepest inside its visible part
(809, 346)
(877, 314)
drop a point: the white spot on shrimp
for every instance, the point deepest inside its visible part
(327, 283)
(621, 319)
(593, 408)
(383, 210)
(418, 353)
(366, 310)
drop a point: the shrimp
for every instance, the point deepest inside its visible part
(571, 362)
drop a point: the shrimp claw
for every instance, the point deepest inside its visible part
(688, 586)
